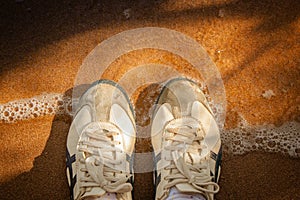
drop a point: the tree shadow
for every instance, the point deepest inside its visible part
(31, 25)
(248, 61)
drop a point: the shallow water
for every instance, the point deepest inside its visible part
(255, 45)
(243, 138)
(46, 104)
(267, 138)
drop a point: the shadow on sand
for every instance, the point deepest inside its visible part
(47, 178)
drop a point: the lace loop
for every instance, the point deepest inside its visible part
(101, 168)
(186, 143)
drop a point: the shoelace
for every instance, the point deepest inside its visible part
(97, 164)
(188, 139)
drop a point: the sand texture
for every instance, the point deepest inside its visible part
(255, 45)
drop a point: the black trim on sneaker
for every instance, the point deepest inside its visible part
(213, 155)
(218, 164)
(156, 176)
(157, 180)
(70, 160)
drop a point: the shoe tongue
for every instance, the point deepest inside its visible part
(94, 192)
(186, 188)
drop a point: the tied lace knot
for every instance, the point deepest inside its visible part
(188, 166)
(101, 163)
(191, 179)
(95, 169)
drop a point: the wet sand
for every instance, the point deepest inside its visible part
(255, 45)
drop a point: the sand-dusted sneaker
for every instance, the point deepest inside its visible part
(186, 141)
(100, 143)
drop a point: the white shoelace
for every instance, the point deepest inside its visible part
(100, 166)
(187, 140)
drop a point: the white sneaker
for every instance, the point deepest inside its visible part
(100, 143)
(186, 141)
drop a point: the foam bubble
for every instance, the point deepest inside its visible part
(242, 139)
(268, 138)
(46, 104)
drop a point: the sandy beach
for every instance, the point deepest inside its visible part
(254, 44)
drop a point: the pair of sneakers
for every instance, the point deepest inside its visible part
(184, 135)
